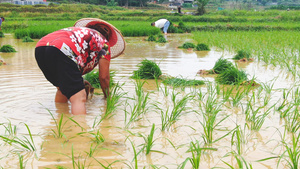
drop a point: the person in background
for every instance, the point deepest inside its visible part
(1, 20)
(179, 9)
(67, 54)
(163, 24)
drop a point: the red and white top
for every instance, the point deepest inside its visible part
(83, 45)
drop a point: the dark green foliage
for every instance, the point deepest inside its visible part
(147, 70)
(202, 47)
(93, 78)
(151, 38)
(1, 34)
(176, 82)
(27, 39)
(188, 45)
(7, 49)
(221, 65)
(241, 54)
(232, 76)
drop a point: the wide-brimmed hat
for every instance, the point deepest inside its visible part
(113, 35)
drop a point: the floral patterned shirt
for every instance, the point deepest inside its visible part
(83, 45)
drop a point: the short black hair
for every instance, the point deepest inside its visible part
(2, 18)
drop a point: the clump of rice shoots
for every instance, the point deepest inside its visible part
(27, 39)
(202, 47)
(242, 54)
(221, 65)
(187, 45)
(162, 40)
(232, 76)
(177, 82)
(151, 38)
(7, 49)
(1, 34)
(93, 78)
(147, 70)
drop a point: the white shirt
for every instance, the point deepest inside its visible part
(160, 23)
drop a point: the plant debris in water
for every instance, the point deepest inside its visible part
(147, 70)
(177, 82)
(202, 47)
(2, 62)
(27, 39)
(242, 55)
(232, 76)
(7, 49)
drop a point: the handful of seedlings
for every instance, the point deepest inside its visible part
(243, 56)
(198, 47)
(159, 39)
(7, 49)
(150, 70)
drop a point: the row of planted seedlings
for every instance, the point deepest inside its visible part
(218, 131)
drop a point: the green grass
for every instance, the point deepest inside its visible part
(147, 70)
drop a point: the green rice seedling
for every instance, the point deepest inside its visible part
(109, 166)
(227, 92)
(135, 166)
(232, 76)
(221, 65)
(202, 47)
(196, 150)
(179, 108)
(210, 111)
(292, 122)
(96, 136)
(149, 142)
(22, 164)
(7, 49)
(147, 70)
(93, 78)
(179, 82)
(241, 162)
(59, 126)
(1, 34)
(10, 130)
(292, 152)
(26, 143)
(187, 45)
(151, 38)
(113, 100)
(242, 54)
(254, 117)
(27, 39)
(239, 95)
(140, 106)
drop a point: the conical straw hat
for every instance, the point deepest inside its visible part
(115, 38)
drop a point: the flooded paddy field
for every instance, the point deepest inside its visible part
(252, 125)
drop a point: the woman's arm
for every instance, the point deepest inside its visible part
(104, 76)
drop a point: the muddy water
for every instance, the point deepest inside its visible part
(27, 97)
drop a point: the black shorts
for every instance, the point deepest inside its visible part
(60, 70)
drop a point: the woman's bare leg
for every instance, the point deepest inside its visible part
(78, 101)
(60, 98)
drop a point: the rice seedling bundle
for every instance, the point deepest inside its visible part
(147, 70)
(221, 65)
(232, 76)
(242, 54)
(176, 82)
(187, 45)
(93, 78)
(202, 47)
(162, 40)
(151, 38)
(27, 39)
(7, 49)
(1, 34)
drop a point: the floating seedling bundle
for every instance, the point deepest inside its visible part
(147, 70)
(7, 49)
(220, 66)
